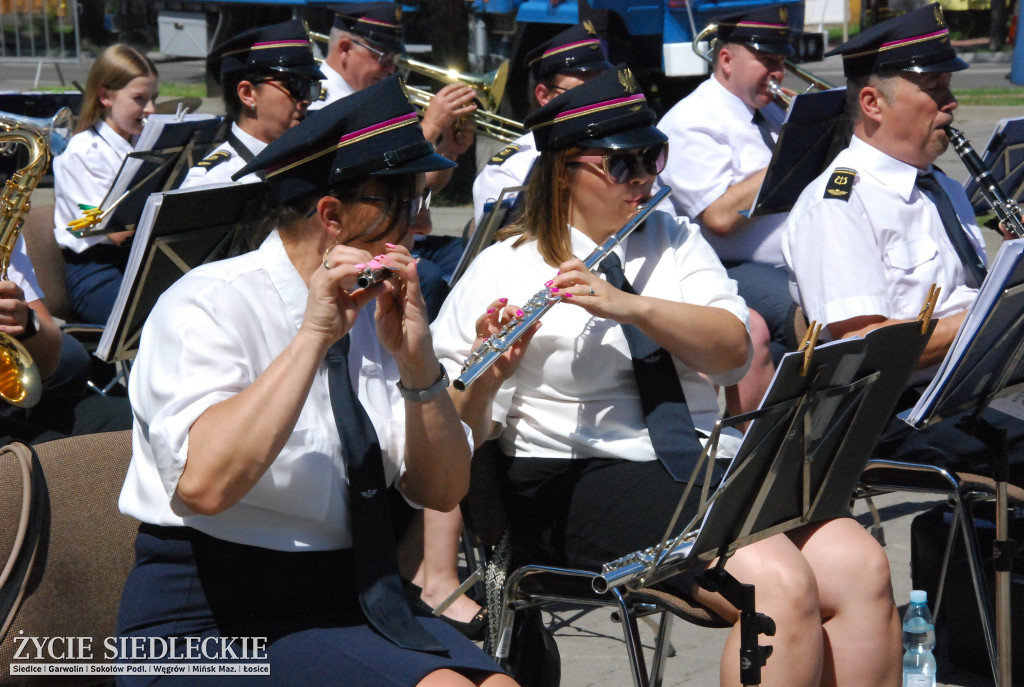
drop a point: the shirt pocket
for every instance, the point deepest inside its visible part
(910, 256)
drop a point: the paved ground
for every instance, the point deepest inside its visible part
(590, 644)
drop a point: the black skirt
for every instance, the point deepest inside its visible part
(298, 611)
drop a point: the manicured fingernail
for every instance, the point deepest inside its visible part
(519, 313)
(554, 290)
(567, 295)
(490, 311)
(361, 266)
(549, 282)
(390, 245)
(503, 300)
(375, 263)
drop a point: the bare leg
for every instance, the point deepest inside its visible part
(855, 592)
(438, 573)
(449, 678)
(787, 592)
(746, 394)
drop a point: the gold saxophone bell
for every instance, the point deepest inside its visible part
(20, 381)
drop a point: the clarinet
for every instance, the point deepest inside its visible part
(495, 345)
(1006, 210)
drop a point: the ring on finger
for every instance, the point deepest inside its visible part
(592, 291)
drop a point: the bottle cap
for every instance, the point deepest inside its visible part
(918, 596)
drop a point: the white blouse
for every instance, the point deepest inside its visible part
(82, 175)
(208, 338)
(574, 394)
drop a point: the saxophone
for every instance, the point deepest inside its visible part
(20, 381)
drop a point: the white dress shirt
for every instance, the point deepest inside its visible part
(334, 86)
(714, 144)
(82, 175)
(208, 338)
(21, 272)
(223, 161)
(878, 251)
(575, 393)
(508, 168)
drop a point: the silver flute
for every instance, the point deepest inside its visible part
(372, 275)
(492, 348)
(1005, 208)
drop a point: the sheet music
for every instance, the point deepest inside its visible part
(1005, 273)
(1011, 404)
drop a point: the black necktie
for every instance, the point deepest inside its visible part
(661, 394)
(766, 131)
(373, 541)
(929, 185)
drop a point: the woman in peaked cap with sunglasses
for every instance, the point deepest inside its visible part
(592, 466)
(276, 396)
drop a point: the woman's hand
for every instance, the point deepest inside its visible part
(334, 302)
(579, 286)
(13, 309)
(498, 314)
(447, 106)
(403, 325)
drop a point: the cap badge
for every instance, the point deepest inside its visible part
(405, 89)
(588, 26)
(784, 15)
(938, 15)
(628, 82)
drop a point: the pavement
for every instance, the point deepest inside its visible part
(590, 644)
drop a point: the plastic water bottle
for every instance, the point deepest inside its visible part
(918, 641)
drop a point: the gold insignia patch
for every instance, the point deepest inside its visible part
(405, 89)
(504, 154)
(628, 82)
(840, 183)
(588, 26)
(398, 13)
(784, 15)
(213, 160)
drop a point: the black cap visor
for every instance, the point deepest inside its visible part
(627, 139)
(953, 64)
(785, 49)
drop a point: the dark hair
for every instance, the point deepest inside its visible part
(546, 213)
(396, 190)
(855, 84)
(232, 103)
(113, 69)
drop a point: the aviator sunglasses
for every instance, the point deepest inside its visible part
(298, 88)
(621, 168)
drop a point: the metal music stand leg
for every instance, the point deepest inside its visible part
(753, 656)
(631, 633)
(1003, 548)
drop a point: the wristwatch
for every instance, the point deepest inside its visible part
(31, 327)
(424, 395)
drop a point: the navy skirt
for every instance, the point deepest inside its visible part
(204, 591)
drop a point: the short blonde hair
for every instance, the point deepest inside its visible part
(113, 69)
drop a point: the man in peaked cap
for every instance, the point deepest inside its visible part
(269, 79)
(565, 61)
(867, 238)
(365, 40)
(722, 138)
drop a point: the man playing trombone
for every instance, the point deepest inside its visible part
(365, 41)
(729, 124)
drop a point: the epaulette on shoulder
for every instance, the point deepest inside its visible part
(504, 154)
(839, 183)
(211, 161)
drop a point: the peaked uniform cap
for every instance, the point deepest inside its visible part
(577, 49)
(917, 41)
(377, 22)
(608, 111)
(765, 29)
(373, 131)
(283, 47)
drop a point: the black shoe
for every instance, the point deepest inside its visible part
(475, 630)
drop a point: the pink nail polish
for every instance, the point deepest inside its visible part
(554, 290)
(567, 295)
(361, 266)
(503, 300)
(390, 245)
(490, 311)
(519, 313)
(549, 282)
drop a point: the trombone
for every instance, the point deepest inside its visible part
(710, 33)
(489, 87)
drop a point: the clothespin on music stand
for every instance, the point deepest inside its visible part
(810, 341)
(928, 307)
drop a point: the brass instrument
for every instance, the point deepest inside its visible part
(489, 87)
(1005, 208)
(20, 381)
(495, 345)
(710, 33)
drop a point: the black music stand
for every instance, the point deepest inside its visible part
(494, 218)
(985, 362)
(178, 230)
(1004, 157)
(811, 136)
(167, 148)
(799, 462)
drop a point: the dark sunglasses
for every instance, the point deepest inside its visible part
(298, 88)
(621, 168)
(416, 205)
